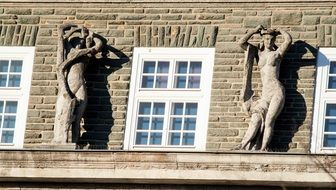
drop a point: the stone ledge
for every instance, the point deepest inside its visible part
(167, 168)
(167, 1)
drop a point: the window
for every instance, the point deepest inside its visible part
(15, 76)
(169, 99)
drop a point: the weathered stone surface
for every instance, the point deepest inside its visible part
(28, 19)
(328, 20)
(311, 20)
(286, 18)
(171, 17)
(65, 11)
(156, 11)
(9, 34)
(211, 17)
(95, 16)
(44, 76)
(252, 22)
(18, 11)
(131, 17)
(43, 11)
(43, 90)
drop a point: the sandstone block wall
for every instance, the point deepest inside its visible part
(179, 24)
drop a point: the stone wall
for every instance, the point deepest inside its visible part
(127, 25)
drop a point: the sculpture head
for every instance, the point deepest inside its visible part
(268, 38)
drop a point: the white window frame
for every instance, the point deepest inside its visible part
(200, 95)
(19, 94)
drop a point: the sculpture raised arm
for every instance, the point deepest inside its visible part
(243, 42)
(287, 42)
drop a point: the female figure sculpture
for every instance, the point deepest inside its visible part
(264, 111)
(76, 45)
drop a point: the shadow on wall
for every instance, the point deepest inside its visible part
(98, 120)
(294, 112)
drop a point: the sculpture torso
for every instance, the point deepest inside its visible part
(75, 77)
(269, 65)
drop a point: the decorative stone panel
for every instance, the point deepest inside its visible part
(326, 35)
(18, 35)
(175, 36)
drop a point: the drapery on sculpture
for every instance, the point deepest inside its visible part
(76, 45)
(263, 112)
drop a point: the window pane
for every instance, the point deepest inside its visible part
(7, 136)
(141, 138)
(195, 67)
(159, 109)
(11, 107)
(194, 81)
(180, 82)
(9, 122)
(176, 124)
(149, 67)
(147, 82)
(174, 139)
(3, 80)
(332, 82)
(163, 67)
(329, 141)
(143, 123)
(189, 123)
(188, 139)
(331, 110)
(332, 69)
(1, 106)
(155, 138)
(4, 65)
(182, 67)
(191, 109)
(16, 66)
(161, 82)
(14, 80)
(177, 108)
(330, 125)
(145, 108)
(157, 123)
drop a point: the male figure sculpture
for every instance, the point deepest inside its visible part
(76, 45)
(264, 111)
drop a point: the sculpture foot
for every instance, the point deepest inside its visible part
(237, 147)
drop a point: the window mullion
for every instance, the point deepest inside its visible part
(165, 131)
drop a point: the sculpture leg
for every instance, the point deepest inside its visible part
(81, 105)
(63, 119)
(252, 130)
(274, 110)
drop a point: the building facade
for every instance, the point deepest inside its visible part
(164, 103)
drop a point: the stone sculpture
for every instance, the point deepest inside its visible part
(263, 112)
(76, 45)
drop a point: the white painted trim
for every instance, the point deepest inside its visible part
(202, 95)
(20, 94)
(321, 98)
